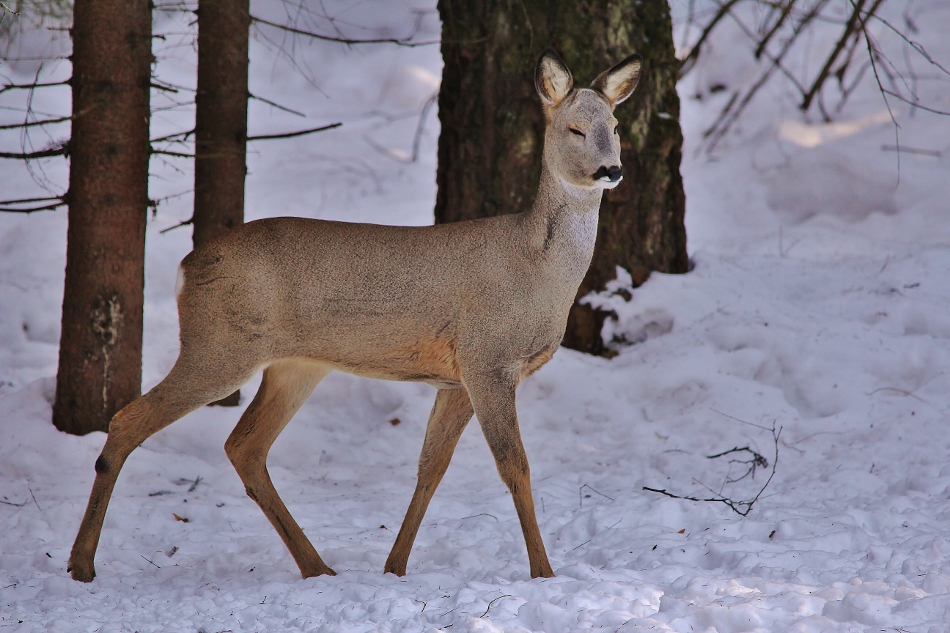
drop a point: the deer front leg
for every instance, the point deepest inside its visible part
(449, 417)
(285, 387)
(493, 397)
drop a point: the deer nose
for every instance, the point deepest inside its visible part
(613, 174)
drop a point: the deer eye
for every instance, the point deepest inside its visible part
(578, 132)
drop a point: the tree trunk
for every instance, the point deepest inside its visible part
(100, 355)
(493, 127)
(221, 122)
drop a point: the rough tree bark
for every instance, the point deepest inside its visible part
(492, 127)
(100, 355)
(221, 122)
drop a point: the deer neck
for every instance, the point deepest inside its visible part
(564, 222)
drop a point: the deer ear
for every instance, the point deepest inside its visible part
(619, 82)
(552, 79)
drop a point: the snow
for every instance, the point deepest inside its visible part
(819, 303)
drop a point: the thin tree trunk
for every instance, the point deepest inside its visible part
(221, 122)
(100, 355)
(492, 127)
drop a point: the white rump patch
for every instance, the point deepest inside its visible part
(179, 281)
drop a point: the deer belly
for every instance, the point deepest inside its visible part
(431, 361)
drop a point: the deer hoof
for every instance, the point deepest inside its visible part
(317, 571)
(81, 572)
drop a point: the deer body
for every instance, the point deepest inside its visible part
(400, 303)
(470, 308)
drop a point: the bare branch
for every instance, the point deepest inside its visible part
(173, 137)
(26, 200)
(55, 203)
(690, 60)
(764, 42)
(175, 154)
(850, 28)
(14, 126)
(730, 114)
(33, 85)
(61, 149)
(164, 88)
(267, 137)
(344, 40)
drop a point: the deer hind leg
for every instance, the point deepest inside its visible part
(284, 389)
(180, 393)
(449, 417)
(493, 397)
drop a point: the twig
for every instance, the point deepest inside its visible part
(756, 462)
(277, 105)
(742, 508)
(912, 150)
(177, 226)
(34, 499)
(732, 417)
(481, 514)
(148, 561)
(15, 505)
(421, 125)
(267, 137)
(872, 55)
(915, 103)
(915, 45)
(580, 495)
(507, 595)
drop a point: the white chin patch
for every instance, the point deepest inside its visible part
(607, 183)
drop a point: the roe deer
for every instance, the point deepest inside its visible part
(471, 308)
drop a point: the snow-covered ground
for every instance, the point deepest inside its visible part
(819, 305)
